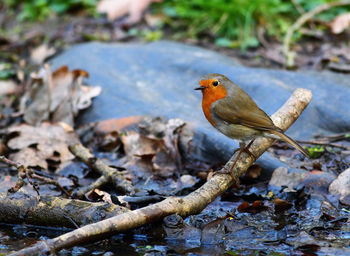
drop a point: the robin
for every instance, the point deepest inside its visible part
(234, 113)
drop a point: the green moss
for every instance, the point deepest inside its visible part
(316, 151)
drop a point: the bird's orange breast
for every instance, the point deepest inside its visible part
(211, 95)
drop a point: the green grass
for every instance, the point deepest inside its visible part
(36, 10)
(234, 23)
(228, 23)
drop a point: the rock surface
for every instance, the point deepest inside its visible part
(341, 186)
(159, 78)
(281, 177)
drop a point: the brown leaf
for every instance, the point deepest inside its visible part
(98, 195)
(117, 9)
(156, 146)
(57, 96)
(255, 207)
(42, 52)
(116, 125)
(281, 205)
(39, 146)
(340, 23)
(138, 145)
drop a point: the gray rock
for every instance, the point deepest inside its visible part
(282, 177)
(316, 182)
(159, 78)
(341, 186)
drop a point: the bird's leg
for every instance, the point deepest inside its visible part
(242, 148)
(239, 150)
(246, 149)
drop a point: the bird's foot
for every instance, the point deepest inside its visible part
(224, 170)
(246, 150)
(229, 170)
(240, 150)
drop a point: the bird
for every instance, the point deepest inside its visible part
(234, 113)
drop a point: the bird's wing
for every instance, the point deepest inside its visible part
(241, 109)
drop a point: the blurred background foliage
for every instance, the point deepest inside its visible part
(235, 23)
(229, 23)
(38, 10)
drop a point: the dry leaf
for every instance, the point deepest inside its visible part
(57, 96)
(138, 145)
(44, 146)
(98, 195)
(156, 147)
(116, 125)
(281, 205)
(340, 23)
(117, 9)
(7, 87)
(256, 207)
(41, 53)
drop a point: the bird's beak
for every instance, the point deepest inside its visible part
(202, 85)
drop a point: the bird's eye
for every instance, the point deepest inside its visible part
(215, 83)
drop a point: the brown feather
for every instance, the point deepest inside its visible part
(240, 108)
(292, 142)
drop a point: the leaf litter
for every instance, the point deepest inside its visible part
(44, 146)
(287, 215)
(57, 96)
(152, 154)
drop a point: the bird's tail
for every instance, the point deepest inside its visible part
(289, 140)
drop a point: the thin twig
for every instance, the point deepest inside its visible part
(29, 174)
(334, 137)
(191, 204)
(9, 162)
(297, 6)
(96, 184)
(289, 55)
(109, 173)
(50, 181)
(314, 142)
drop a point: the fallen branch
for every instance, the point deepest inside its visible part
(193, 203)
(288, 54)
(108, 173)
(53, 211)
